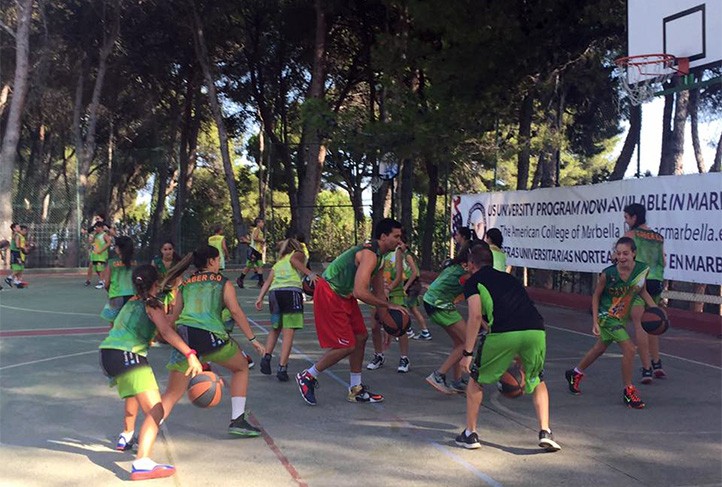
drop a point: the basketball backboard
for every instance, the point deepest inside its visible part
(683, 28)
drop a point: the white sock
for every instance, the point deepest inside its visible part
(144, 463)
(355, 379)
(238, 406)
(576, 369)
(127, 435)
(467, 432)
(313, 371)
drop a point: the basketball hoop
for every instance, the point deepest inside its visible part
(388, 167)
(642, 76)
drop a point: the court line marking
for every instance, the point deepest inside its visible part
(468, 466)
(716, 367)
(17, 308)
(47, 359)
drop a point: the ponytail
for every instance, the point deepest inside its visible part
(176, 271)
(126, 250)
(144, 277)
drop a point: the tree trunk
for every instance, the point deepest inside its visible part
(239, 227)
(680, 119)
(526, 115)
(405, 193)
(635, 123)
(314, 151)
(693, 107)
(17, 104)
(427, 242)
(666, 164)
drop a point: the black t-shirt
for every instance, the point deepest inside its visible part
(505, 303)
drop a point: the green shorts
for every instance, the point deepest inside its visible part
(442, 317)
(497, 351)
(179, 363)
(612, 330)
(135, 381)
(293, 321)
(17, 267)
(398, 299)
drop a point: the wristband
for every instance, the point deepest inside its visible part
(191, 352)
(252, 338)
(467, 354)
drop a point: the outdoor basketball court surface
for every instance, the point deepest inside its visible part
(59, 419)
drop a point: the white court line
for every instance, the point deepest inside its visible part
(662, 354)
(443, 449)
(97, 315)
(47, 359)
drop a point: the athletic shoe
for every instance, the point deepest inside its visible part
(458, 386)
(658, 370)
(251, 363)
(159, 471)
(241, 427)
(87, 283)
(631, 398)
(266, 364)
(306, 386)
(646, 376)
(410, 333)
(377, 362)
(239, 282)
(9, 280)
(100, 285)
(573, 380)
(125, 445)
(546, 441)
(282, 374)
(424, 335)
(403, 365)
(21, 285)
(361, 393)
(438, 382)
(470, 442)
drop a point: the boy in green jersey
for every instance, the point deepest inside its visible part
(101, 242)
(117, 278)
(18, 252)
(650, 250)
(218, 240)
(256, 249)
(617, 287)
(513, 330)
(339, 323)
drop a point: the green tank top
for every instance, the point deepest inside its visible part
(445, 288)
(121, 278)
(13, 244)
(203, 302)
(217, 242)
(284, 274)
(341, 273)
(257, 234)
(158, 262)
(389, 267)
(499, 258)
(650, 250)
(132, 330)
(305, 251)
(618, 295)
(99, 243)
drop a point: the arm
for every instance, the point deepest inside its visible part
(108, 241)
(229, 299)
(165, 328)
(264, 290)
(399, 265)
(366, 260)
(225, 248)
(105, 276)
(473, 324)
(298, 261)
(414, 272)
(644, 294)
(601, 284)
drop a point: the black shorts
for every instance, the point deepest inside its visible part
(430, 310)
(254, 255)
(202, 341)
(284, 301)
(654, 287)
(116, 362)
(16, 257)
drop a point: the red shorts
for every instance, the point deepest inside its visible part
(338, 319)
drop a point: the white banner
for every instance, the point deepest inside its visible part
(575, 228)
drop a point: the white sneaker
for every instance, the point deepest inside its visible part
(100, 285)
(377, 362)
(403, 365)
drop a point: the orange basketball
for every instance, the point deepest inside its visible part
(655, 321)
(511, 383)
(205, 390)
(393, 321)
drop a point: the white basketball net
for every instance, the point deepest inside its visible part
(643, 76)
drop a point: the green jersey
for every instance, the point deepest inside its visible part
(284, 274)
(98, 243)
(616, 300)
(217, 242)
(13, 242)
(389, 266)
(499, 258)
(158, 263)
(650, 250)
(445, 288)
(203, 303)
(341, 273)
(121, 278)
(132, 329)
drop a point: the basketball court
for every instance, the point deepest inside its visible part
(59, 419)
